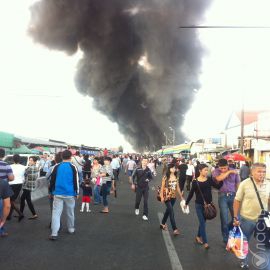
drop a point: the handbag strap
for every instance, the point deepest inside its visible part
(200, 191)
(258, 195)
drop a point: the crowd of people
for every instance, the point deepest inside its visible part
(96, 179)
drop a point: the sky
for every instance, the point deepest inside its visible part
(235, 67)
(37, 102)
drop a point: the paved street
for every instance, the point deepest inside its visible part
(119, 240)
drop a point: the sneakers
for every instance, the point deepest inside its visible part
(88, 211)
(144, 217)
(137, 212)
(244, 266)
(81, 210)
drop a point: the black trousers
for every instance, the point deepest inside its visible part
(27, 196)
(189, 180)
(116, 174)
(142, 192)
(16, 191)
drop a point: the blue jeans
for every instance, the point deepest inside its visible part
(169, 212)
(202, 222)
(1, 207)
(97, 197)
(80, 174)
(105, 189)
(1, 213)
(58, 204)
(225, 206)
(248, 228)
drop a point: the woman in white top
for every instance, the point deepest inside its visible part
(16, 185)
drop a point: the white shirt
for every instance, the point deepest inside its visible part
(190, 170)
(18, 171)
(78, 162)
(131, 165)
(115, 164)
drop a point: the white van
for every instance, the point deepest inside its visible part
(24, 159)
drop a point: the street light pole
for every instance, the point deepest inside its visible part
(166, 138)
(173, 133)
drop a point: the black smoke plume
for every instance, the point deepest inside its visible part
(139, 67)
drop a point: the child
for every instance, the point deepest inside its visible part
(87, 193)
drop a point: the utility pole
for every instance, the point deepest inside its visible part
(166, 139)
(173, 134)
(242, 129)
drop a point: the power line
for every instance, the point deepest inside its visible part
(224, 27)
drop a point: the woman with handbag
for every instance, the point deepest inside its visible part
(202, 187)
(168, 192)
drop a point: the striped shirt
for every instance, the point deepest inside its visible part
(5, 170)
(109, 173)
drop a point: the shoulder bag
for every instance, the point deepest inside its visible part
(210, 211)
(262, 229)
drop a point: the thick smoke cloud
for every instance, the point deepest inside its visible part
(139, 67)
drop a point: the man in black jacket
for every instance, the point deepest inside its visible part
(141, 177)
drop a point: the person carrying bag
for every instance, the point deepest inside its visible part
(262, 229)
(204, 206)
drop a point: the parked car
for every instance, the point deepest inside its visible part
(24, 160)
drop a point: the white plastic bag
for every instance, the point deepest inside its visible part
(184, 210)
(237, 243)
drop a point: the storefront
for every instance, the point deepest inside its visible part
(262, 154)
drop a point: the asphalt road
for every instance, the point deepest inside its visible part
(118, 240)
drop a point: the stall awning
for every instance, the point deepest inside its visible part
(23, 149)
(6, 139)
(177, 149)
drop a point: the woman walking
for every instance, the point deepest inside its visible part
(31, 175)
(202, 186)
(170, 187)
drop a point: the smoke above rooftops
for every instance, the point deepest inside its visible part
(138, 66)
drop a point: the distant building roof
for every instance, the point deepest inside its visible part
(249, 116)
(39, 141)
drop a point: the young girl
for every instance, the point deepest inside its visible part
(170, 182)
(205, 183)
(87, 193)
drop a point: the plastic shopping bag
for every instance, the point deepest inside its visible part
(182, 204)
(237, 243)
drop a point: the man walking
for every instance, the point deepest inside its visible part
(64, 187)
(226, 195)
(182, 168)
(190, 173)
(141, 177)
(247, 203)
(5, 194)
(244, 171)
(6, 174)
(44, 165)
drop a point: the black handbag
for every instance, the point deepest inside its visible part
(262, 229)
(210, 211)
